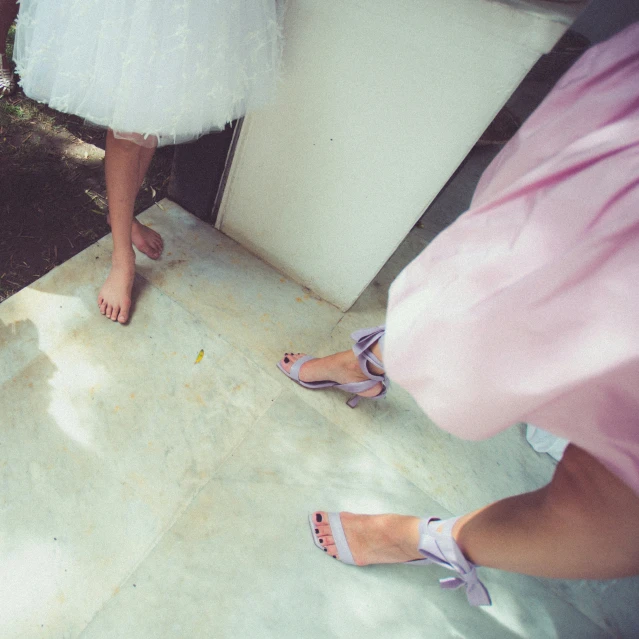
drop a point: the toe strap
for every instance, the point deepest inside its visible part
(339, 537)
(295, 369)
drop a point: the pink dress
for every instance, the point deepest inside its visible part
(526, 309)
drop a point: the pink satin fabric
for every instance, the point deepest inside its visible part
(527, 307)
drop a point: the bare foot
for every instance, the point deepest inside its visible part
(114, 299)
(342, 368)
(146, 240)
(372, 539)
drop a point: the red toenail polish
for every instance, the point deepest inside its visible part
(318, 518)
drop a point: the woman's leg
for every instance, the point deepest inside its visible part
(581, 526)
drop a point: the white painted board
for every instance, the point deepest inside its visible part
(379, 103)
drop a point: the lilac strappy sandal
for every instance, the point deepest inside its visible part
(364, 340)
(436, 544)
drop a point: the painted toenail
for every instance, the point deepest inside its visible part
(317, 531)
(334, 556)
(325, 549)
(318, 518)
(321, 541)
(286, 360)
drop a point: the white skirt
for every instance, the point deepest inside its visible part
(167, 70)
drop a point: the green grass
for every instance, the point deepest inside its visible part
(10, 40)
(8, 113)
(12, 110)
(21, 111)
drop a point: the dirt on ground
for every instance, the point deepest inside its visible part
(52, 189)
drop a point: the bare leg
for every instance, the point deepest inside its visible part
(144, 238)
(581, 526)
(342, 368)
(122, 168)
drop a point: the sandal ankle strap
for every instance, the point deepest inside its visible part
(365, 339)
(436, 544)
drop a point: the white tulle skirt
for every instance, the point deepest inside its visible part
(165, 70)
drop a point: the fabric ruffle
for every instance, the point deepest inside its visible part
(525, 308)
(166, 69)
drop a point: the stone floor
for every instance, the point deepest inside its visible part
(148, 494)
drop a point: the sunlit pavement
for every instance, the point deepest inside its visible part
(157, 477)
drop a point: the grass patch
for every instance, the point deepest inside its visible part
(10, 41)
(10, 111)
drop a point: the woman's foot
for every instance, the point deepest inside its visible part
(114, 299)
(372, 539)
(146, 240)
(342, 368)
